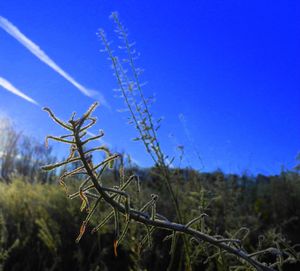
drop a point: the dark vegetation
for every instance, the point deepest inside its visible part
(39, 224)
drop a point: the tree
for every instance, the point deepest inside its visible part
(9, 138)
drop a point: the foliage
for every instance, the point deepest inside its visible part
(252, 202)
(40, 224)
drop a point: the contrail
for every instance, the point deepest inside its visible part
(9, 87)
(102, 141)
(41, 55)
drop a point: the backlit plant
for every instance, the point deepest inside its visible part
(93, 191)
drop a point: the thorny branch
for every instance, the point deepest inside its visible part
(119, 199)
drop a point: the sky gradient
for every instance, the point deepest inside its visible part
(225, 75)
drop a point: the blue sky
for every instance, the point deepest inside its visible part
(225, 75)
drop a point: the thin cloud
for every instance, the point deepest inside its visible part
(9, 87)
(101, 140)
(41, 55)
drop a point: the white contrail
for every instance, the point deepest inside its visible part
(41, 55)
(9, 87)
(102, 141)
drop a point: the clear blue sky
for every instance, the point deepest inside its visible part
(231, 68)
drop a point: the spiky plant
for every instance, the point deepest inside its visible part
(131, 90)
(94, 192)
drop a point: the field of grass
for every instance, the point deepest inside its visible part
(39, 224)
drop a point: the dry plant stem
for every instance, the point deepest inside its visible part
(137, 80)
(107, 194)
(158, 158)
(115, 66)
(142, 218)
